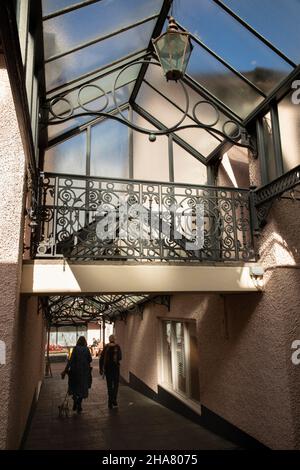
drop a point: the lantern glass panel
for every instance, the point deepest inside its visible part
(174, 51)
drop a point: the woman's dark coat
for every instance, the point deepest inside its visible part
(79, 371)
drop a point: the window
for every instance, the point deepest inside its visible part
(109, 150)
(289, 123)
(66, 336)
(180, 358)
(68, 156)
(102, 152)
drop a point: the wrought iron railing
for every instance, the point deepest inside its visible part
(89, 218)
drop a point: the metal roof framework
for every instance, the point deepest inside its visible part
(72, 310)
(239, 60)
(245, 56)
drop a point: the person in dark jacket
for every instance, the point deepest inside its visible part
(109, 364)
(79, 371)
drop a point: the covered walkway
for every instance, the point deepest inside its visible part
(138, 423)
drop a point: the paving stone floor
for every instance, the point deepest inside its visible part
(138, 423)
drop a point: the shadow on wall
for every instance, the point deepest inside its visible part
(280, 244)
(142, 362)
(220, 331)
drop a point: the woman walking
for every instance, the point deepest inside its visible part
(79, 372)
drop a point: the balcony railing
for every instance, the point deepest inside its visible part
(87, 218)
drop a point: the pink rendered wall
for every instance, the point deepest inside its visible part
(245, 367)
(11, 218)
(20, 327)
(28, 367)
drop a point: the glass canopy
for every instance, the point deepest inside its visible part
(64, 310)
(242, 51)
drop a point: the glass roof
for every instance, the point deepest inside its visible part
(276, 20)
(65, 310)
(242, 50)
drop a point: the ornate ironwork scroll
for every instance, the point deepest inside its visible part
(72, 104)
(86, 218)
(266, 195)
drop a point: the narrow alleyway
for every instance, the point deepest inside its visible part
(138, 423)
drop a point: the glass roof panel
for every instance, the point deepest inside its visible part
(98, 55)
(109, 149)
(168, 114)
(204, 112)
(51, 6)
(96, 76)
(94, 21)
(234, 43)
(277, 21)
(221, 82)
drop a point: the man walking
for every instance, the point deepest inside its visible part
(109, 364)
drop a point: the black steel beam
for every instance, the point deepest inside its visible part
(156, 32)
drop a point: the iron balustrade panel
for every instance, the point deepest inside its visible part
(89, 218)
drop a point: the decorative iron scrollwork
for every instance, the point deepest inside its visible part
(99, 218)
(238, 137)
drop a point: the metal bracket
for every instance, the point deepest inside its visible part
(162, 300)
(264, 196)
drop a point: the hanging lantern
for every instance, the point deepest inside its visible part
(173, 49)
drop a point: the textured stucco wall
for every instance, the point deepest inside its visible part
(11, 206)
(28, 367)
(21, 328)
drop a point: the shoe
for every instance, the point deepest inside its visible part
(110, 405)
(115, 403)
(74, 405)
(79, 409)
